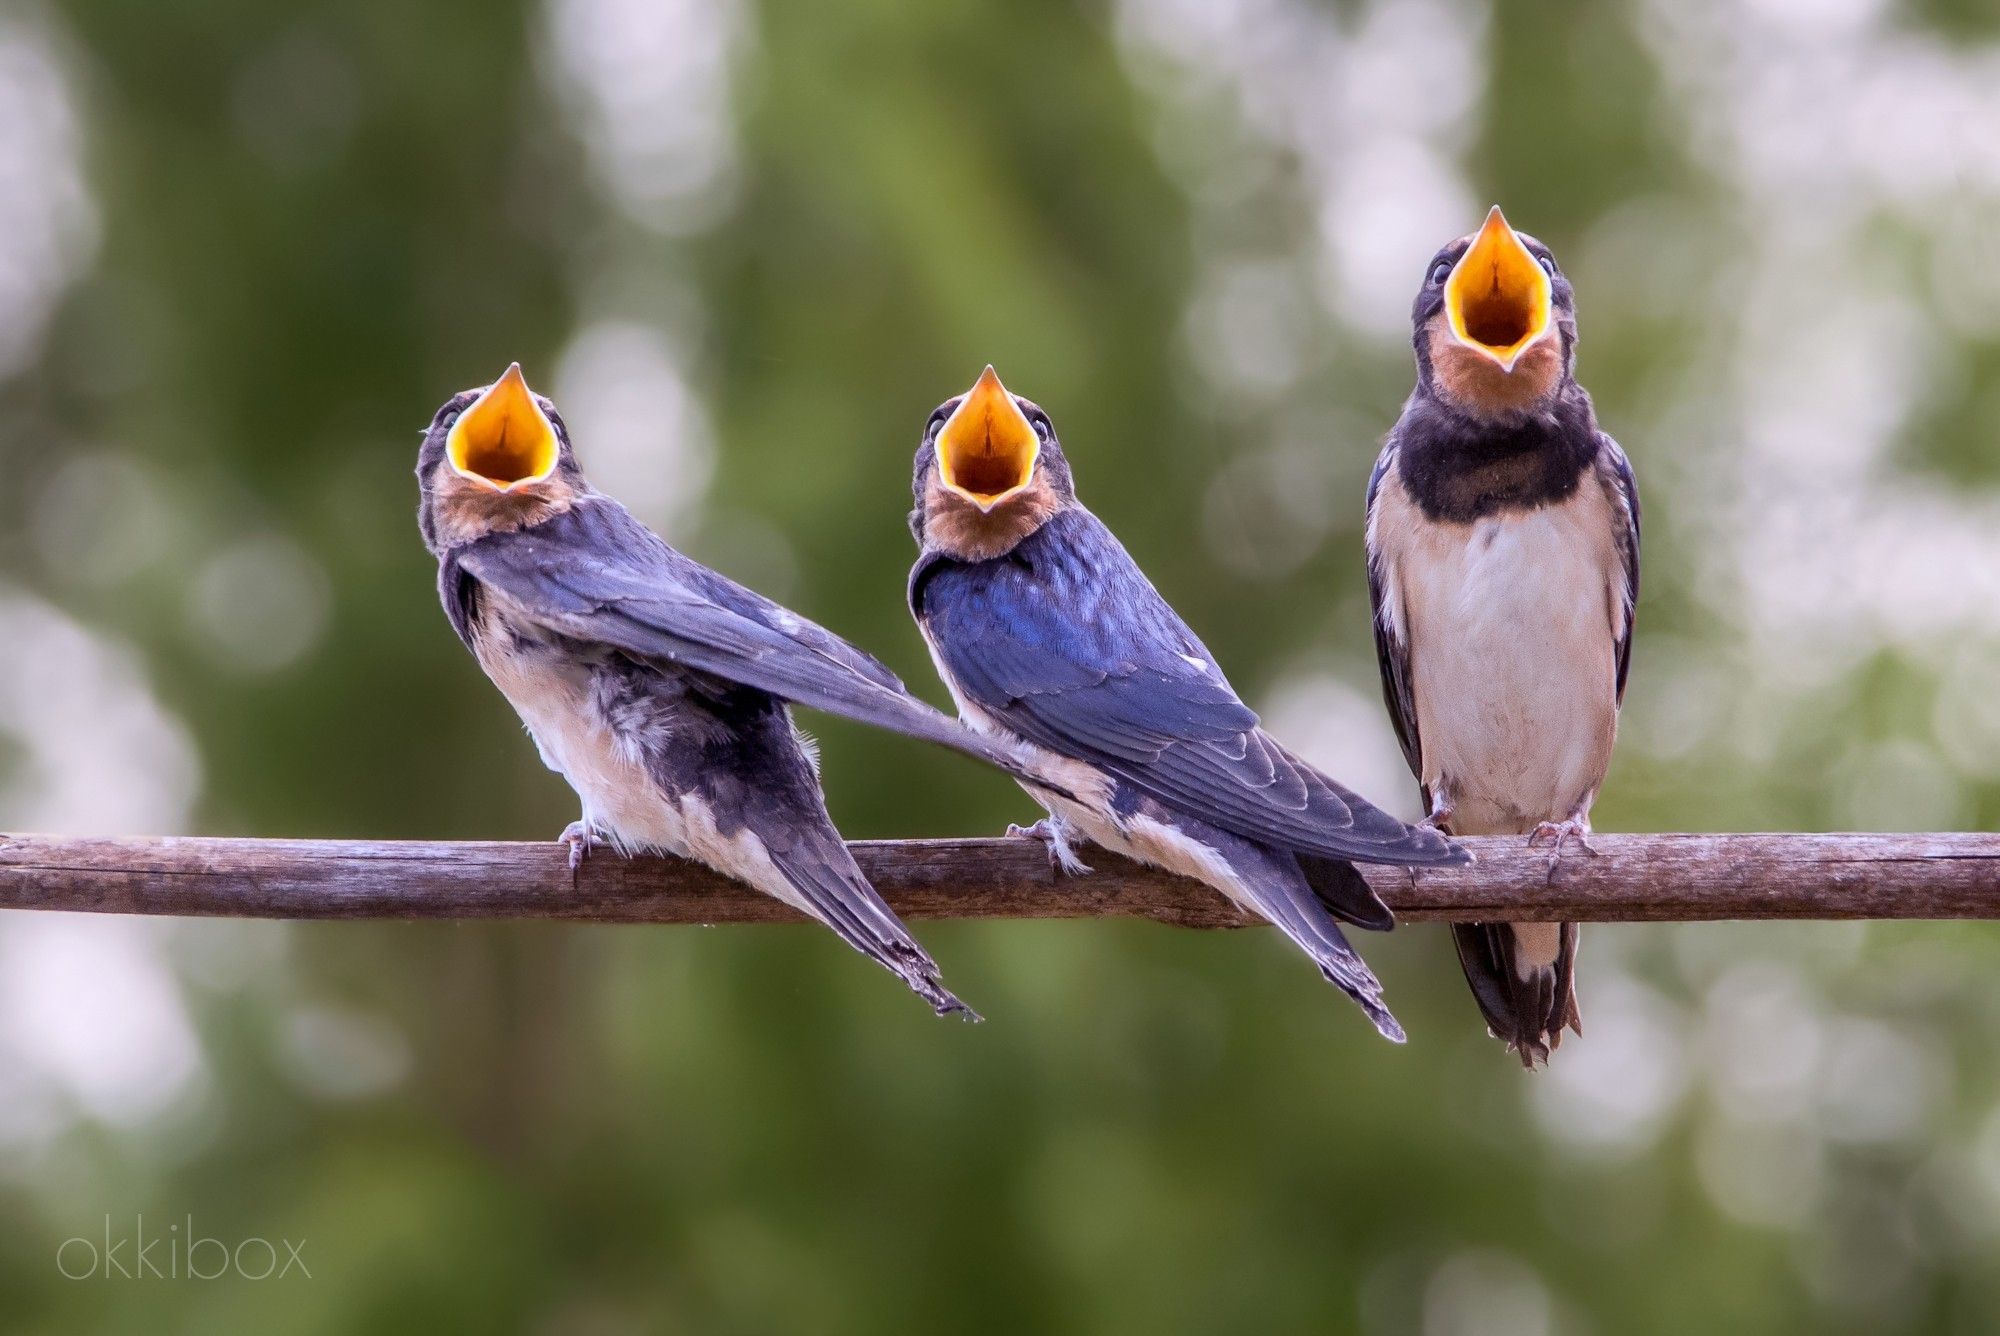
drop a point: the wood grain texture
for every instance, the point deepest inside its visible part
(1634, 878)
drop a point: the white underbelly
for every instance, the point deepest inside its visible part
(610, 779)
(1140, 838)
(1513, 665)
(618, 795)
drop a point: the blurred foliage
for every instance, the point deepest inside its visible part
(316, 221)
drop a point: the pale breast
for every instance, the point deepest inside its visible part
(1512, 622)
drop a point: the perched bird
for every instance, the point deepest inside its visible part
(655, 686)
(1053, 643)
(1503, 564)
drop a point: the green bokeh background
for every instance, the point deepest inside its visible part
(1168, 223)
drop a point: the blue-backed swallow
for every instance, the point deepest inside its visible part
(656, 687)
(1053, 642)
(1503, 564)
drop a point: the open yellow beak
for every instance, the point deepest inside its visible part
(1498, 297)
(987, 448)
(504, 439)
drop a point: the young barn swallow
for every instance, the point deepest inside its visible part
(1503, 563)
(656, 687)
(1053, 643)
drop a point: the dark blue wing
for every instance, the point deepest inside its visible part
(1624, 490)
(595, 574)
(1392, 652)
(1065, 642)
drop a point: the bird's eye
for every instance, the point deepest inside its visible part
(1548, 263)
(1042, 427)
(1440, 272)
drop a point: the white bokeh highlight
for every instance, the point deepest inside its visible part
(648, 84)
(639, 428)
(48, 222)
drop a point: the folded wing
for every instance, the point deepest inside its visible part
(1625, 491)
(1068, 644)
(1392, 650)
(597, 575)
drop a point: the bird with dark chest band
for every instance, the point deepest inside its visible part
(1503, 565)
(1055, 645)
(657, 688)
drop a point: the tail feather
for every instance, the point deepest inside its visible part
(1346, 893)
(838, 895)
(1527, 1004)
(1275, 885)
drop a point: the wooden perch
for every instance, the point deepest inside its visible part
(1652, 878)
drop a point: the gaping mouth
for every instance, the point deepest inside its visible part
(1498, 297)
(987, 448)
(504, 439)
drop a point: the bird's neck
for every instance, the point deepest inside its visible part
(954, 526)
(1461, 467)
(461, 510)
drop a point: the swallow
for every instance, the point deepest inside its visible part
(1055, 646)
(1503, 568)
(659, 689)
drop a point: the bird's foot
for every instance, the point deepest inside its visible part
(579, 837)
(1055, 838)
(1438, 820)
(1560, 835)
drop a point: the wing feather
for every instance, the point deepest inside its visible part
(1392, 650)
(597, 575)
(1624, 490)
(1067, 644)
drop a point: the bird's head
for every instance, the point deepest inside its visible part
(1495, 323)
(494, 458)
(988, 474)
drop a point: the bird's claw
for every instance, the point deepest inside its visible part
(1439, 820)
(1561, 834)
(579, 837)
(1056, 840)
